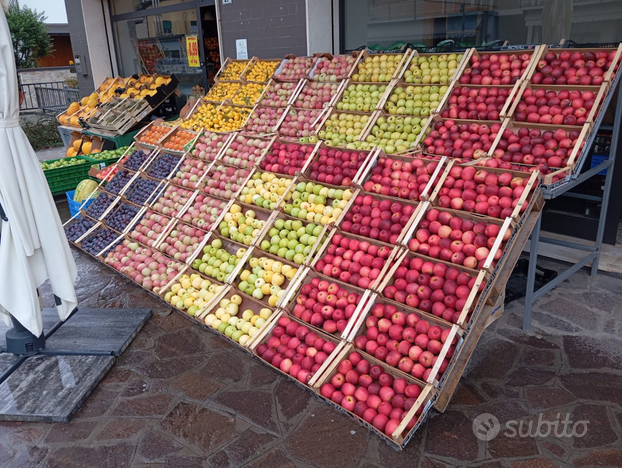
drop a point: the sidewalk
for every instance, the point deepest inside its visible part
(182, 397)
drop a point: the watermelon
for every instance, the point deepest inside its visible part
(85, 190)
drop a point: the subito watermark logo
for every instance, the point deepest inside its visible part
(486, 427)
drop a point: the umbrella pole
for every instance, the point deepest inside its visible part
(20, 341)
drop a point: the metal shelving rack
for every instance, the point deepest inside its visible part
(562, 188)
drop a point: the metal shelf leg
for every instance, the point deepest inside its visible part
(531, 272)
(613, 149)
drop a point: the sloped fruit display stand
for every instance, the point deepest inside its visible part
(350, 221)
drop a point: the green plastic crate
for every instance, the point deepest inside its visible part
(63, 179)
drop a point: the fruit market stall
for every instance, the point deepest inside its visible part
(342, 247)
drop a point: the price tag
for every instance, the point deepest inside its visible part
(192, 47)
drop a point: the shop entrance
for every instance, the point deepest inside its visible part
(172, 37)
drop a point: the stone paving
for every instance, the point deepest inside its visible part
(182, 397)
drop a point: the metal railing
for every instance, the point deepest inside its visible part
(51, 97)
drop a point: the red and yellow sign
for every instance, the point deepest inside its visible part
(192, 48)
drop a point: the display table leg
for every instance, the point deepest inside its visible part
(531, 273)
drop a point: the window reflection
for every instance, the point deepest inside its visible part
(384, 24)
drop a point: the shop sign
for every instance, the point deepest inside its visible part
(192, 47)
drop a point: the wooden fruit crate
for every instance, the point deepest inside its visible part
(169, 131)
(308, 83)
(470, 307)
(420, 408)
(532, 51)
(352, 193)
(315, 115)
(266, 333)
(609, 73)
(403, 84)
(258, 253)
(324, 148)
(258, 111)
(462, 62)
(337, 99)
(398, 68)
(454, 338)
(512, 92)
(357, 57)
(228, 61)
(253, 63)
(287, 59)
(437, 171)
(504, 224)
(306, 277)
(320, 125)
(529, 195)
(413, 204)
(315, 248)
(261, 214)
(395, 252)
(599, 91)
(513, 126)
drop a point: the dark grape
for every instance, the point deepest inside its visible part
(78, 228)
(136, 160)
(99, 241)
(140, 190)
(162, 167)
(119, 181)
(101, 204)
(121, 217)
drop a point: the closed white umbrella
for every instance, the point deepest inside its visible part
(33, 246)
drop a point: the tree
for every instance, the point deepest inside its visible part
(29, 35)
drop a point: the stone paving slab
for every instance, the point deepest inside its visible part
(50, 388)
(182, 397)
(99, 330)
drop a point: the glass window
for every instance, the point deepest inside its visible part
(128, 6)
(390, 23)
(157, 44)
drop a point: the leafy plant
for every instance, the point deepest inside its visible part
(72, 83)
(42, 132)
(28, 34)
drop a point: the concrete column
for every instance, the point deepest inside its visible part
(319, 26)
(87, 28)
